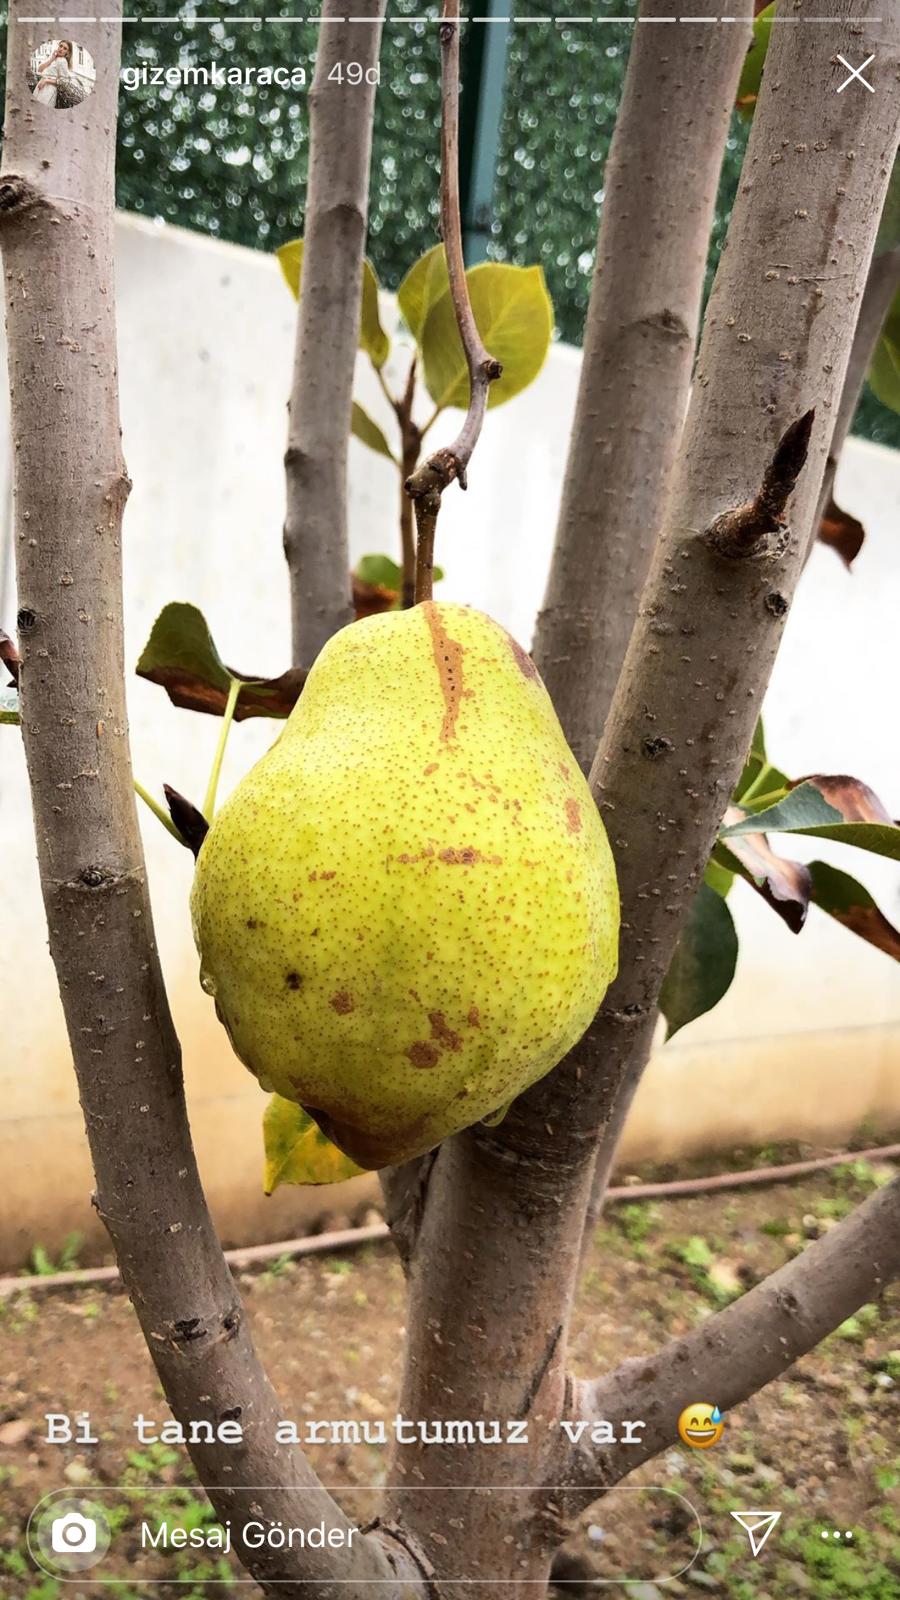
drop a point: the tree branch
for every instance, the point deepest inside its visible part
(759, 528)
(411, 444)
(405, 1188)
(639, 343)
(505, 1206)
(328, 318)
(733, 1354)
(881, 287)
(775, 345)
(56, 214)
(426, 485)
(405, 1191)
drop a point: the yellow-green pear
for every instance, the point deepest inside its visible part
(407, 911)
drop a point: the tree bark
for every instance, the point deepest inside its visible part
(659, 198)
(776, 343)
(505, 1206)
(328, 317)
(882, 286)
(450, 462)
(56, 213)
(736, 1352)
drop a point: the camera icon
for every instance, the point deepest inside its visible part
(67, 1534)
(73, 1535)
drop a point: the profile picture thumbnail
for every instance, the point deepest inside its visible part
(61, 74)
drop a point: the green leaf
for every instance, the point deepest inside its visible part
(514, 316)
(378, 586)
(372, 337)
(181, 656)
(424, 283)
(9, 706)
(180, 642)
(380, 571)
(751, 76)
(703, 964)
(718, 878)
(851, 814)
(759, 778)
(851, 904)
(383, 573)
(297, 1150)
(364, 428)
(883, 376)
(756, 760)
(772, 784)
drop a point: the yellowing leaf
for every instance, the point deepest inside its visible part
(514, 316)
(297, 1151)
(290, 260)
(372, 337)
(496, 1117)
(424, 283)
(368, 431)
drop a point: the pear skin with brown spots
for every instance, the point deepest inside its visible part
(407, 910)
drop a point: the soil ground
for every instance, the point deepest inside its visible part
(822, 1446)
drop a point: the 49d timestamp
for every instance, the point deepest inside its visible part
(353, 72)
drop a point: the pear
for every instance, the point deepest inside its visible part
(407, 910)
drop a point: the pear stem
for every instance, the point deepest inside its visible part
(157, 810)
(426, 484)
(427, 509)
(209, 803)
(411, 445)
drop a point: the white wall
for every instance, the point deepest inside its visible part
(807, 1044)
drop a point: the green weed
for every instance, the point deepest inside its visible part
(42, 1265)
(637, 1221)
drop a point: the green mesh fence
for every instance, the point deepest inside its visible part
(231, 161)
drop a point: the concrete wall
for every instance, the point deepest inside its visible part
(806, 1045)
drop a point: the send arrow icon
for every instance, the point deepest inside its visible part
(757, 1525)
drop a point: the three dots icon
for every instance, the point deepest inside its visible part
(835, 1533)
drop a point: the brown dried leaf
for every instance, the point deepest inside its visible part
(851, 904)
(371, 598)
(9, 655)
(871, 924)
(842, 532)
(181, 656)
(190, 822)
(784, 885)
(850, 796)
(260, 697)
